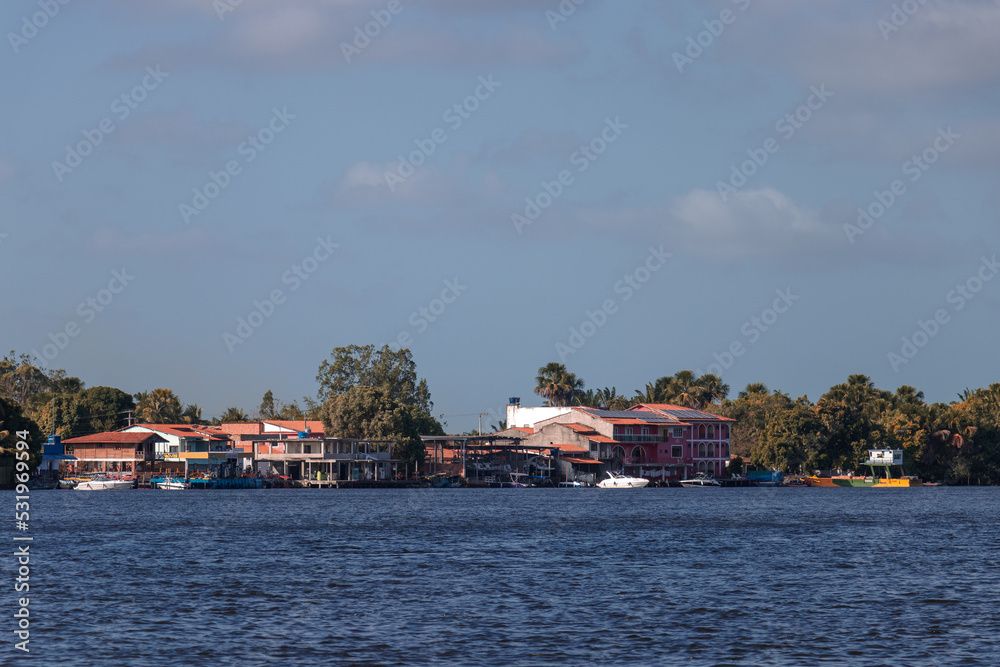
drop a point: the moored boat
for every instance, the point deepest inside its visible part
(617, 480)
(104, 484)
(877, 458)
(701, 480)
(171, 484)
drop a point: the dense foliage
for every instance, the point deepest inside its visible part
(958, 443)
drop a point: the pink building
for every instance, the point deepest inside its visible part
(660, 442)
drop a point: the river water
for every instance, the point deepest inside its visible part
(513, 576)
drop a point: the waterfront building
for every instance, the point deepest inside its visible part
(660, 442)
(115, 452)
(202, 449)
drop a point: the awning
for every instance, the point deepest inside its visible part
(575, 460)
(59, 457)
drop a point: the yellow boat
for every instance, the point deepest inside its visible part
(882, 458)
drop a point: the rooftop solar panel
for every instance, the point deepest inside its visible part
(650, 417)
(690, 414)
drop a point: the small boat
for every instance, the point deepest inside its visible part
(570, 485)
(103, 484)
(170, 484)
(701, 480)
(885, 459)
(617, 480)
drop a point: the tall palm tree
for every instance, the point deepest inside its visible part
(159, 406)
(557, 385)
(192, 414)
(234, 414)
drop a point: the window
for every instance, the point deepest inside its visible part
(725, 430)
(617, 452)
(645, 430)
(701, 450)
(628, 431)
(678, 432)
(307, 449)
(711, 449)
(638, 454)
(701, 431)
(711, 431)
(677, 451)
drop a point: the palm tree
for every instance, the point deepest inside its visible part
(557, 385)
(587, 399)
(234, 414)
(713, 389)
(192, 414)
(159, 406)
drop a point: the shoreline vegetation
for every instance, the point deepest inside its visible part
(374, 393)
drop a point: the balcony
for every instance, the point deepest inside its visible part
(642, 438)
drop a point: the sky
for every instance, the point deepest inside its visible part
(211, 196)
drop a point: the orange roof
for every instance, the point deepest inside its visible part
(574, 460)
(111, 437)
(601, 438)
(580, 428)
(529, 431)
(570, 448)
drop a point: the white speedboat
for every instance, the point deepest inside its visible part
(173, 485)
(570, 485)
(617, 480)
(103, 484)
(700, 480)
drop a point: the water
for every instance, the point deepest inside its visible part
(514, 577)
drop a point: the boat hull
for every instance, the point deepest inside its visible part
(103, 485)
(864, 482)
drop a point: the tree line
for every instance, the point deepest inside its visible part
(956, 442)
(364, 393)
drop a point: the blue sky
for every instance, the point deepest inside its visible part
(236, 156)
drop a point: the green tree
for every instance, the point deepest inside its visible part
(233, 414)
(557, 385)
(267, 408)
(192, 414)
(160, 406)
(371, 413)
(852, 417)
(12, 421)
(106, 408)
(365, 366)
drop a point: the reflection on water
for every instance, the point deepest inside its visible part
(516, 576)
